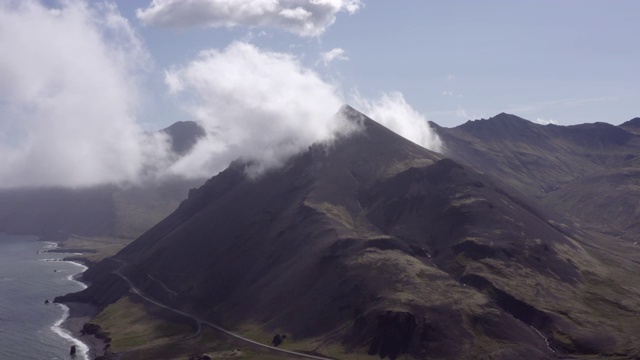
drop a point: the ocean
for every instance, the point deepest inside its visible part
(29, 328)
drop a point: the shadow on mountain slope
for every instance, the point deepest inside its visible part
(376, 245)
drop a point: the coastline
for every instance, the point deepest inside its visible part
(82, 348)
(76, 314)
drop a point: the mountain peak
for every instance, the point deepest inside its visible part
(353, 115)
(634, 123)
(348, 109)
(374, 242)
(502, 118)
(502, 125)
(184, 135)
(505, 116)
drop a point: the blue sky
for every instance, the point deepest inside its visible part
(83, 84)
(566, 61)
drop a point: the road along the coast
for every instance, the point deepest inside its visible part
(201, 321)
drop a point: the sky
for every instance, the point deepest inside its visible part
(568, 61)
(84, 84)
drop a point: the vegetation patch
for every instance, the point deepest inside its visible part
(130, 325)
(95, 249)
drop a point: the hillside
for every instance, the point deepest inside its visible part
(632, 125)
(605, 201)
(571, 169)
(537, 159)
(377, 246)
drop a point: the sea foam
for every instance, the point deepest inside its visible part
(82, 348)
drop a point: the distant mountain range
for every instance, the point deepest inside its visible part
(106, 210)
(518, 242)
(588, 172)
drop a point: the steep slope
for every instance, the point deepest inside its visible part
(376, 245)
(632, 125)
(605, 201)
(585, 171)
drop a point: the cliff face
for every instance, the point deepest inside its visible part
(383, 247)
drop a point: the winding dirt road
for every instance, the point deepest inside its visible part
(201, 321)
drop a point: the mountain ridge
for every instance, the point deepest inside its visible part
(390, 248)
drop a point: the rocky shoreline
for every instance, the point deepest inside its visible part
(80, 313)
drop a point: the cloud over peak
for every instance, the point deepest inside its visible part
(393, 111)
(69, 103)
(302, 17)
(254, 104)
(545, 121)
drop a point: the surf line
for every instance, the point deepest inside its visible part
(83, 349)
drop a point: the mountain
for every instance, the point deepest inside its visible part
(184, 135)
(605, 201)
(632, 125)
(375, 245)
(588, 171)
(105, 210)
(537, 159)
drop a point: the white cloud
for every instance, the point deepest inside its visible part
(68, 96)
(393, 111)
(470, 114)
(173, 82)
(68, 103)
(462, 113)
(333, 54)
(545, 122)
(304, 18)
(447, 93)
(255, 105)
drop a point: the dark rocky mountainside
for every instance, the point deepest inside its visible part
(376, 245)
(587, 172)
(632, 125)
(537, 159)
(108, 210)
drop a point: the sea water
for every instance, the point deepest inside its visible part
(29, 328)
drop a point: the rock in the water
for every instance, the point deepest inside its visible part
(46, 301)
